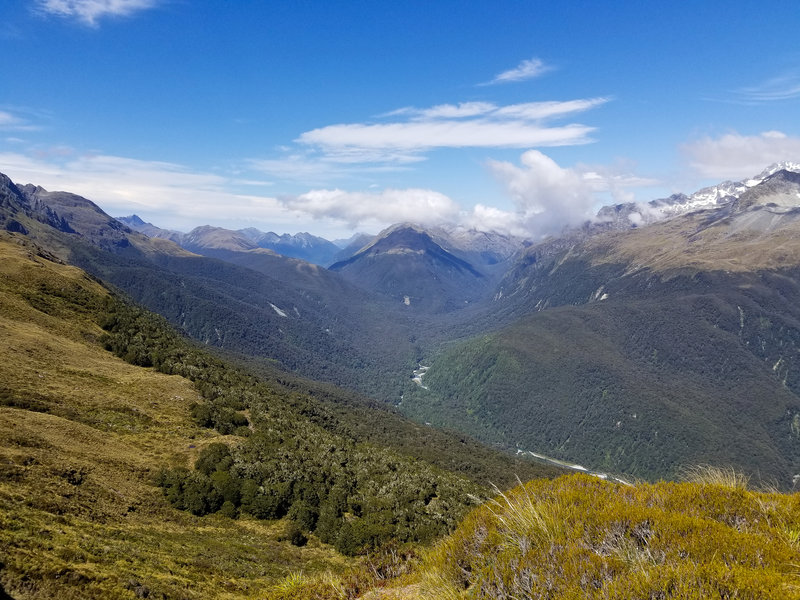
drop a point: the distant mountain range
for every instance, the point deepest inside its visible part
(293, 314)
(435, 270)
(438, 269)
(304, 246)
(655, 336)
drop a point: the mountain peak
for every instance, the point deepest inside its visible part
(133, 221)
(784, 165)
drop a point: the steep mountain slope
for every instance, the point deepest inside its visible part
(307, 319)
(349, 247)
(81, 434)
(645, 350)
(405, 264)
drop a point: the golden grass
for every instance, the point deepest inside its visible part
(688, 243)
(580, 537)
(81, 435)
(711, 475)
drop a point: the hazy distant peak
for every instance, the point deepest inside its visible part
(133, 221)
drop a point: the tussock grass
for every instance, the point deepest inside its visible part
(525, 521)
(712, 475)
(581, 537)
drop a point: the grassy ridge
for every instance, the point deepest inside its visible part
(580, 537)
(82, 433)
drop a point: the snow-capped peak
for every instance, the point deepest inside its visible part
(771, 170)
(643, 213)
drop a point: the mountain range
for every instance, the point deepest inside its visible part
(187, 413)
(654, 336)
(304, 246)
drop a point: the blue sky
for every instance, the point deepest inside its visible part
(332, 117)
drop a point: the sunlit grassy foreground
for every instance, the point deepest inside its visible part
(580, 537)
(81, 435)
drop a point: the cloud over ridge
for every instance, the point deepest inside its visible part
(736, 156)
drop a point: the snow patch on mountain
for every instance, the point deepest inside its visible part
(637, 214)
(280, 312)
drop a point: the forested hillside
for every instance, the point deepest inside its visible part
(645, 350)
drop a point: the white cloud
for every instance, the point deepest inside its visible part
(6, 119)
(175, 197)
(735, 156)
(371, 209)
(548, 197)
(296, 167)
(11, 122)
(168, 194)
(547, 110)
(782, 87)
(449, 111)
(315, 170)
(90, 11)
(527, 69)
(466, 125)
(418, 137)
(491, 218)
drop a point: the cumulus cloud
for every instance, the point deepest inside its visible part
(175, 197)
(548, 197)
(527, 69)
(735, 156)
(376, 208)
(90, 12)
(491, 218)
(466, 125)
(169, 194)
